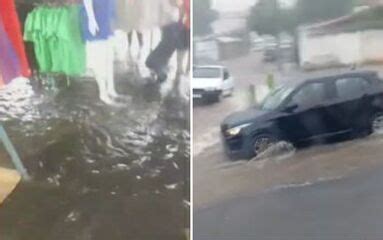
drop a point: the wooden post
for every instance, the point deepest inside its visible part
(13, 154)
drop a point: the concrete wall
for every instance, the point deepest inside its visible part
(340, 49)
(372, 46)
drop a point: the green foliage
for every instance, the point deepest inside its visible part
(309, 11)
(203, 16)
(372, 19)
(267, 17)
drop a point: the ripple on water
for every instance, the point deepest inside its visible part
(94, 165)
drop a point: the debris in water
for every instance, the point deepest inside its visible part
(72, 216)
(169, 156)
(88, 160)
(171, 186)
(187, 203)
(175, 165)
(121, 166)
(54, 180)
(172, 148)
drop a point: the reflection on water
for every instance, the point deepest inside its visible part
(99, 172)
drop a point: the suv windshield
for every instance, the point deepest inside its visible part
(275, 98)
(206, 72)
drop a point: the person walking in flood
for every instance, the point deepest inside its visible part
(131, 20)
(158, 60)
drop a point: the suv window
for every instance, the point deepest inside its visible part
(310, 95)
(351, 87)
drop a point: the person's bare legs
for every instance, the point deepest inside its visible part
(181, 61)
(130, 38)
(140, 38)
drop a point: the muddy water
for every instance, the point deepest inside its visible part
(308, 166)
(99, 172)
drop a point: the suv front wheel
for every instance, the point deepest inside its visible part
(377, 123)
(261, 143)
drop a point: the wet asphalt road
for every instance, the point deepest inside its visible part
(349, 208)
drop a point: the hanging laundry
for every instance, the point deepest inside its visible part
(12, 28)
(23, 9)
(97, 19)
(9, 62)
(56, 34)
(186, 6)
(173, 37)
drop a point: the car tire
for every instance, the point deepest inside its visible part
(216, 98)
(261, 143)
(376, 126)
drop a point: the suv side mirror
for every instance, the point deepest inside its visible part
(291, 108)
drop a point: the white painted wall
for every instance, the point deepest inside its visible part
(341, 49)
(322, 50)
(232, 6)
(372, 45)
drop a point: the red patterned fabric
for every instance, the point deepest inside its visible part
(12, 27)
(1, 81)
(187, 13)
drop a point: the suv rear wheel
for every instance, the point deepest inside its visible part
(377, 123)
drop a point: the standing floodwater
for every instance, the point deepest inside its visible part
(99, 172)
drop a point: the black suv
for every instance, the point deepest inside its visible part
(315, 110)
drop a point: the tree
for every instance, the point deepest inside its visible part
(310, 11)
(267, 16)
(203, 16)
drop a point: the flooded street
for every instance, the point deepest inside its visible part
(217, 179)
(98, 172)
(287, 120)
(324, 191)
(340, 208)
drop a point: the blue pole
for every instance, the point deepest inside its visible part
(13, 154)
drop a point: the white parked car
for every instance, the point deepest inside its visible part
(211, 83)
